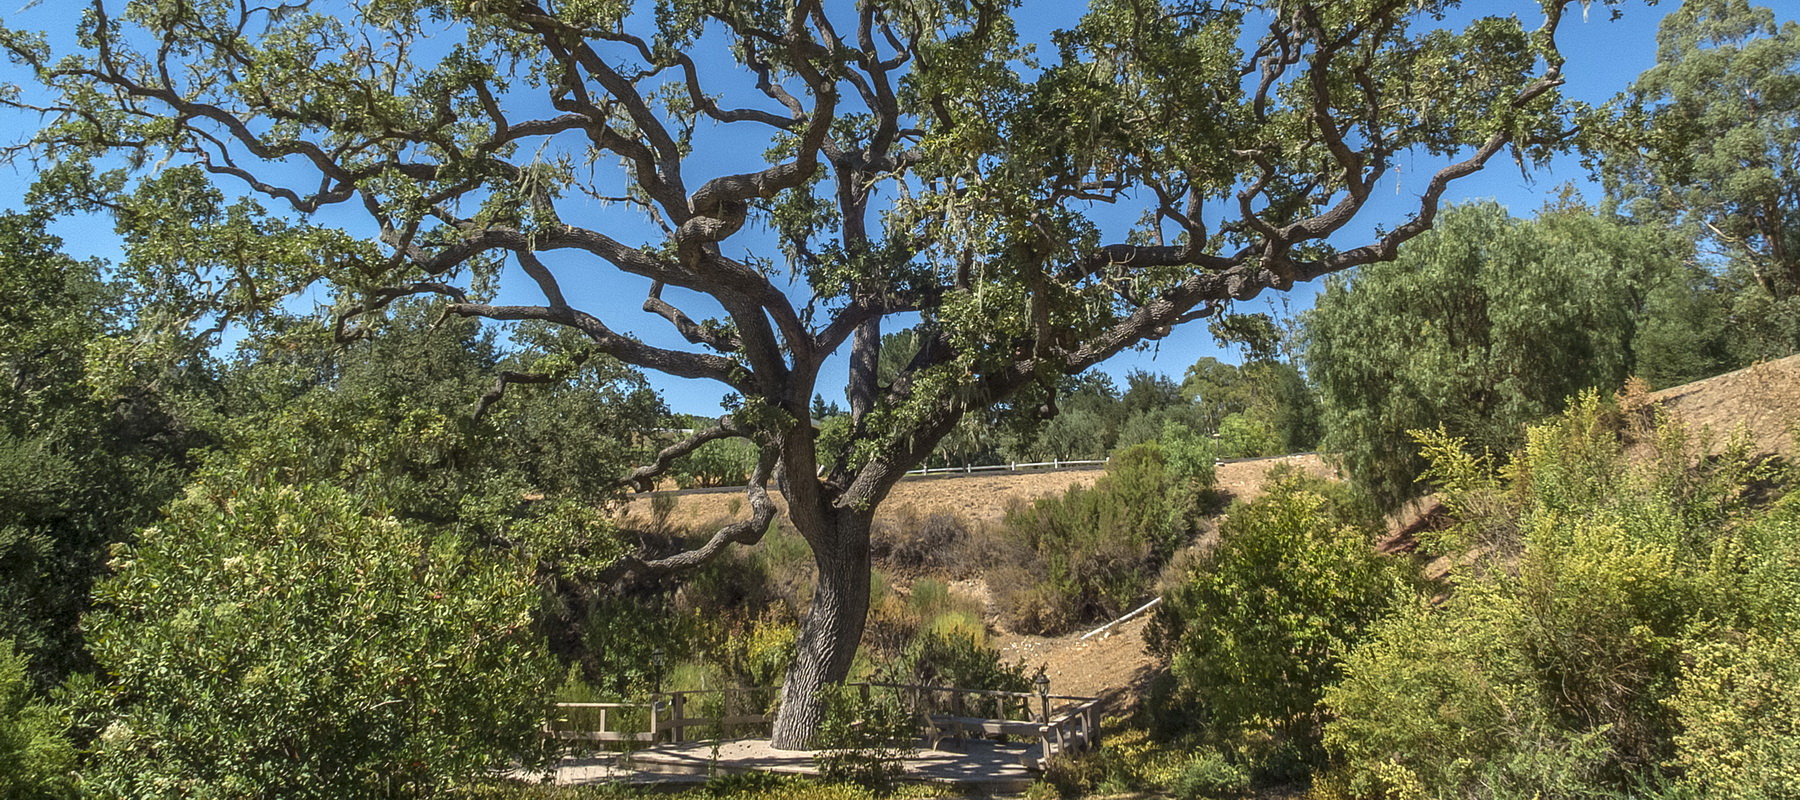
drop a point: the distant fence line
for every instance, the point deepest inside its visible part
(1053, 464)
(1015, 465)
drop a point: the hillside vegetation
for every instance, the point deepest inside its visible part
(334, 479)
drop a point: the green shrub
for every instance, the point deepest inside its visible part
(1191, 459)
(865, 737)
(1257, 627)
(1618, 635)
(1739, 710)
(954, 659)
(287, 642)
(722, 462)
(1440, 701)
(36, 760)
(1130, 761)
(1093, 553)
(1208, 774)
(1244, 436)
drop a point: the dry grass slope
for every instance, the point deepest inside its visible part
(1764, 399)
(975, 499)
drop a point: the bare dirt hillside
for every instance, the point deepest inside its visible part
(1108, 665)
(977, 499)
(1763, 399)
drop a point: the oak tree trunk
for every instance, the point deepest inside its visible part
(833, 627)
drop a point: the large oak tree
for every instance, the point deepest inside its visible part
(923, 167)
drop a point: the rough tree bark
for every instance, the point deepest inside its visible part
(833, 626)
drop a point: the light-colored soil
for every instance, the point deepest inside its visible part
(1106, 665)
(1763, 400)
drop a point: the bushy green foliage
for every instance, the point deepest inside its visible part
(954, 658)
(36, 759)
(725, 462)
(1244, 436)
(90, 444)
(1705, 139)
(1086, 424)
(1262, 407)
(1738, 708)
(1209, 774)
(1132, 761)
(297, 642)
(1486, 324)
(745, 786)
(1094, 551)
(866, 736)
(1622, 636)
(392, 418)
(1257, 627)
(1441, 701)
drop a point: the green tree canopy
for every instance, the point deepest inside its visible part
(920, 159)
(89, 448)
(1489, 323)
(1710, 135)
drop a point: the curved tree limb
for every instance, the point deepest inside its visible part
(744, 532)
(640, 477)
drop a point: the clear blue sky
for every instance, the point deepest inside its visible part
(1603, 57)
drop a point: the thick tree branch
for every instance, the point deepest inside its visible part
(689, 330)
(745, 532)
(630, 351)
(640, 478)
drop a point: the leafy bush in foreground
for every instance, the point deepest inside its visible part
(287, 642)
(1258, 625)
(1626, 639)
(35, 759)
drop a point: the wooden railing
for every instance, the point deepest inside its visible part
(668, 716)
(1061, 724)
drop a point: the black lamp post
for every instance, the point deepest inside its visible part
(1042, 682)
(657, 659)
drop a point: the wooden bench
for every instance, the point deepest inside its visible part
(939, 727)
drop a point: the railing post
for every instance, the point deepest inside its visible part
(678, 711)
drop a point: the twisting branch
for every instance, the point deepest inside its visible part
(344, 331)
(508, 377)
(745, 532)
(639, 479)
(685, 325)
(624, 348)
